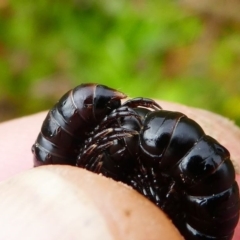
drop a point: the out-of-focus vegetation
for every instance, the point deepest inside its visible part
(161, 49)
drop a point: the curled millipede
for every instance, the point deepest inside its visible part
(162, 154)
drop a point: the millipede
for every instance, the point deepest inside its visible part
(162, 154)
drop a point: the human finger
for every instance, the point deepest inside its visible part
(64, 202)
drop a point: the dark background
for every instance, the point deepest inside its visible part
(185, 51)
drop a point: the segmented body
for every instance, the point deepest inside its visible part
(164, 155)
(68, 123)
(188, 174)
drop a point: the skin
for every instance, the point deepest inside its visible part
(16, 139)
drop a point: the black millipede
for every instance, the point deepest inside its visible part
(164, 155)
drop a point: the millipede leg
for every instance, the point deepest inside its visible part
(142, 102)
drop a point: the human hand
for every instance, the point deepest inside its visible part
(17, 137)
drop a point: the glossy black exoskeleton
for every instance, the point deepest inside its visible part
(68, 123)
(188, 174)
(162, 154)
(71, 120)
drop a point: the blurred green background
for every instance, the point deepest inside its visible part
(185, 51)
